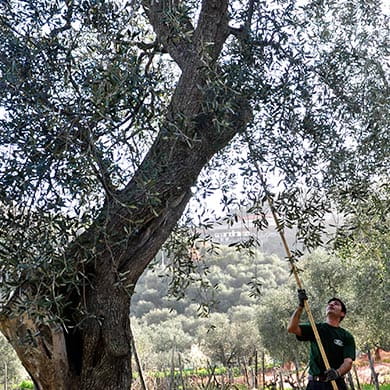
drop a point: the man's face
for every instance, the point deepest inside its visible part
(334, 308)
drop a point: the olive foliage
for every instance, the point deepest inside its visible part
(85, 85)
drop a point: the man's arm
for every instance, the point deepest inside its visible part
(293, 325)
(333, 374)
(345, 367)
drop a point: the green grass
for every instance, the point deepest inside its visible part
(200, 372)
(372, 387)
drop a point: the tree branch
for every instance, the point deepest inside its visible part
(212, 29)
(173, 29)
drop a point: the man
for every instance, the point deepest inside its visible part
(339, 345)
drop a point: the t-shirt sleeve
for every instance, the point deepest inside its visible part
(349, 347)
(307, 333)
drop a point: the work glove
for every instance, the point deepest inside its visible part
(331, 375)
(302, 297)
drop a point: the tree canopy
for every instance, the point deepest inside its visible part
(114, 114)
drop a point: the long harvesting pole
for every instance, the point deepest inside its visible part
(293, 268)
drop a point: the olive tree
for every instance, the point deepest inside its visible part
(227, 341)
(272, 318)
(364, 249)
(113, 114)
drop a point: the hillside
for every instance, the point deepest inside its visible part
(230, 275)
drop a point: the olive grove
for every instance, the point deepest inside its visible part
(113, 115)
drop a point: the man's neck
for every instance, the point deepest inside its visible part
(332, 321)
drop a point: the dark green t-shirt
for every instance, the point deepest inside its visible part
(338, 344)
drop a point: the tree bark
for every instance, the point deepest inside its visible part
(357, 378)
(263, 369)
(374, 374)
(42, 349)
(256, 381)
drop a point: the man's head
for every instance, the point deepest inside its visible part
(336, 306)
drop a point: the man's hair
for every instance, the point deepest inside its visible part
(343, 308)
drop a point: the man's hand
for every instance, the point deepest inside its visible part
(331, 375)
(302, 297)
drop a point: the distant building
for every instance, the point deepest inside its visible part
(245, 227)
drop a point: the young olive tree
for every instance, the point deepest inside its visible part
(109, 112)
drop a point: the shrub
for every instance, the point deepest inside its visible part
(24, 385)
